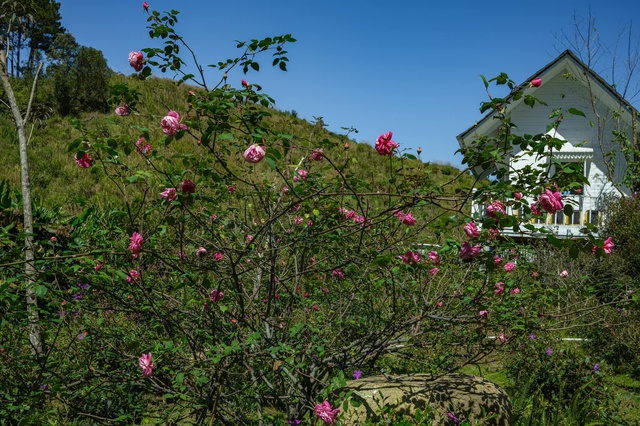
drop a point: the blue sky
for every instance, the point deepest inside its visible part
(411, 67)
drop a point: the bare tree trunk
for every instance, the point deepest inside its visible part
(35, 337)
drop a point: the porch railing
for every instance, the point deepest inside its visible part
(585, 210)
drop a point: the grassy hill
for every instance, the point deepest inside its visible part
(58, 182)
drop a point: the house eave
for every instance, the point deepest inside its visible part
(485, 126)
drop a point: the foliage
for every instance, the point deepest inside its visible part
(256, 286)
(553, 383)
(30, 25)
(80, 77)
(622, 222)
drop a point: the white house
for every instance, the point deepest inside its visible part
(568, 83)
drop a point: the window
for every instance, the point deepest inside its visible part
(594, 217)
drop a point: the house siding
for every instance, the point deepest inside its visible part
(559, 93)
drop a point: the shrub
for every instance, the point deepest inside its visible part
(232, 291)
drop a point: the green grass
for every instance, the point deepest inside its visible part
(625, 389)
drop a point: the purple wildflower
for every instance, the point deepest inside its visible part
(455, 419)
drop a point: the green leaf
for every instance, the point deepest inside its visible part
(271, 163)
(574, 251)
(74, 145)
(554, 241)
(40, 290)
(529, 101)
(484, 80)
(273, 153)
(568, 209)
(575, 111)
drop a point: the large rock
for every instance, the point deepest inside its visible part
(465, 397)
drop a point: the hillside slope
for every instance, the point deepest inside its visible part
(58, 182)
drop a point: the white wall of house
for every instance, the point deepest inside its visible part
(560, 93)
(566, 83)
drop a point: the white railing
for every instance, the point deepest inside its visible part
(585, 210)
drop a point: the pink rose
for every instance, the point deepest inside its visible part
(325, 413)
(536, 82)
(244, 83)
(434, 271)
(142, 146)
(188, 187)
(317, 154)
(201, 251)
(384, 144)
(410, 258)
(405, 218)
(517, 195)
(433, 257)
(607, 246)
(254, 153)
(495, 207)
(502, 338)
(499, 288)
(217, 256)
(169, 194)
(469, 252)
(564, 274)
(171, 123)
(135, 60)
(337, 273)
(302, 174)
(216, 295)
(471, 230)
(509, 266)
(145, 6)
(515, 291)
(122, 111)
(483, 314)
(146, 365)
(85, 161)
(133, 276)
(497, 260)
(135, 244)
(535, 210)
(551, 202)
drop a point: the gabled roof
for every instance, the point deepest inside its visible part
(567, 59)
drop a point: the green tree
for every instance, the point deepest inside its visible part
(92, 79)
(80, 76)
(63, 61)
(30, 28)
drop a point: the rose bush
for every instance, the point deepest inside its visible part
(258, 289)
